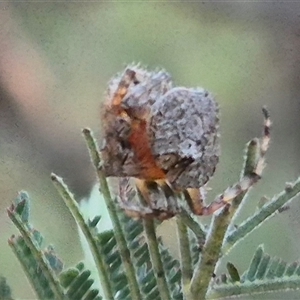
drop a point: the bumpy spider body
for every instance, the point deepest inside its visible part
(154, 131)
(166, 137)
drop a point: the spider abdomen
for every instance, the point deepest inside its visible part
(184, 125)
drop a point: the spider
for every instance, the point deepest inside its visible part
(167, 138)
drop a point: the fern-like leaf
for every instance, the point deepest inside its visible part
(264, 274)
(5, 290)
(43, 267)
(140, 253)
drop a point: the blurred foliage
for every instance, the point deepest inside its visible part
(43, 268)
(5, 290)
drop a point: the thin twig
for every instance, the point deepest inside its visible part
(71, 203)
(111, 207)
(193, 226)
(19, 254)
(250, 288)
(156, 259)
(269, 209)
(220, 223)
(210, 254)
(185, 257)
(250, 162)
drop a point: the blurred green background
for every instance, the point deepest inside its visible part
(55, 62)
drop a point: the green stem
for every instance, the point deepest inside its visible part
(269, 209)
(250, 288)
(156, 259)
(210, 254)
(250, 162)
(71, 203)
(19, 254)
(193, 226)
(220, 223)
(185, 257)
(111, 207)
(38, 255)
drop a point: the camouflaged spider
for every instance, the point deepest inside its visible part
(167, 138)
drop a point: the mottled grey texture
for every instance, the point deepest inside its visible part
(148, 88)
(182, 128)
(119, 160)
(117, 156)
(184, 124)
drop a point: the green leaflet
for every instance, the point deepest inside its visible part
(43, 267)
(264, 274)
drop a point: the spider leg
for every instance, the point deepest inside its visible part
(142, 187)
(195, 199)
(229, 194)
(157, 195)
(170, 196)
(144, 212)
(157, 200)
(125, 200)
(177, 170)
(152, 203)
(247, 181)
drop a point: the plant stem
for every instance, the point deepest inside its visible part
(185, 257)
(19, 254)
(71, 203)
(156, 259)
(249, 288)
(38, 255)
(111, 207)
(269, 209)
(210, 254)
(220, 223)
(250, 162)
(193, 226)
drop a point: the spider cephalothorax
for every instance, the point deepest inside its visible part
(167, 138)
